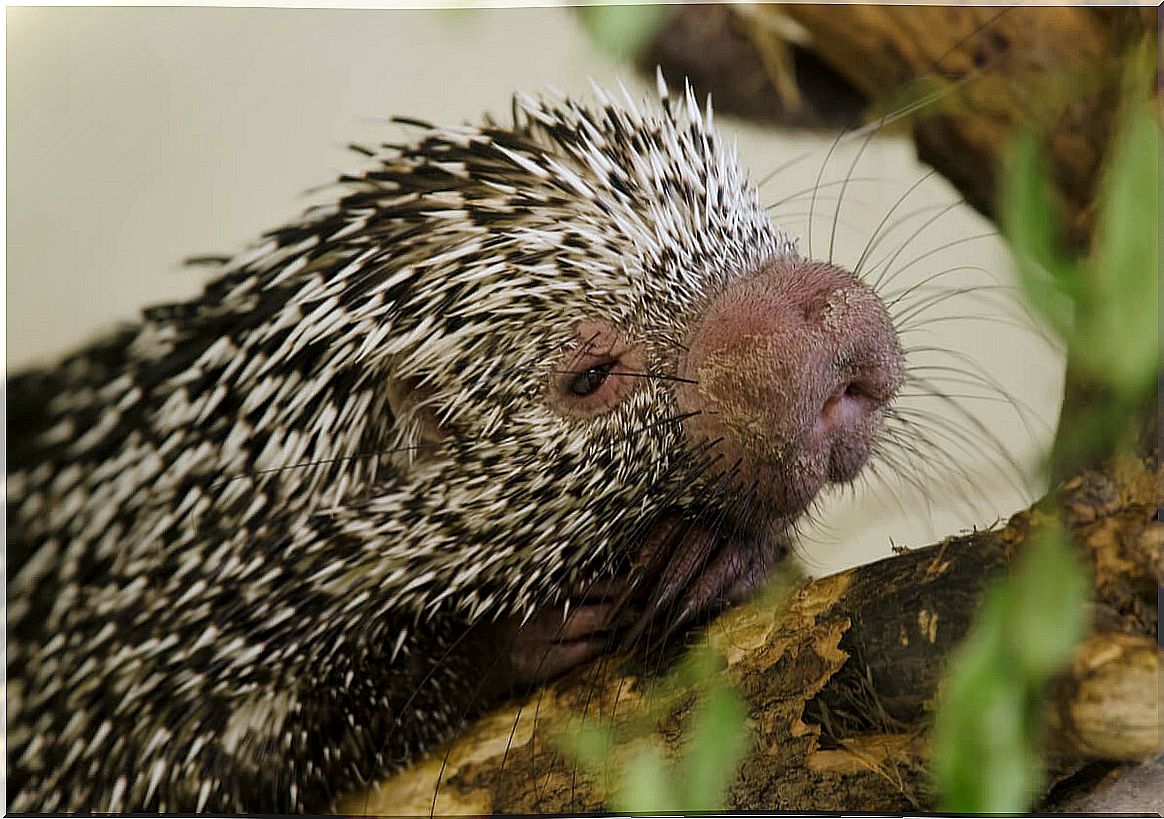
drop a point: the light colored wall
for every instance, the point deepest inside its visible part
(137, 137)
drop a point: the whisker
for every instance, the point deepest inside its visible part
(1025, 413)
(870, 245)
(983, 293)
(933, 461)
(465, 711)
(585, 348)
(820, 174)
(323, 462)
(844, 187)
(673, 419)
(954, 434)
(940, 465)
(873, 469)
(923, 256)
(925, 326)
(791, 218)
(668, 621)
(885, 120)
(881, 455)
(892, 297)
(908, 473)
(783, 215)
(932, 296)
(628, 373)
(899, 222)
(804, 192)
(885, 265)
(420, 686)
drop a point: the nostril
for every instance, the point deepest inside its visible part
(831, 413)
(862, 393)
(846, 405)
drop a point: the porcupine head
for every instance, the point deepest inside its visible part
(565, 364)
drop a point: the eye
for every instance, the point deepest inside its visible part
(597, 372)
(589, 380)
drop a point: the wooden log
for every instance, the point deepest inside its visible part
(1108, 710)
(840, 680)
(754, 73)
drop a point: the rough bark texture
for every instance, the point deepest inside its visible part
(840, 681)
(767, 79)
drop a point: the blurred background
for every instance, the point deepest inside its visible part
(138, 137)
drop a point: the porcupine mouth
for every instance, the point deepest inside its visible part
(701, 558)
(694, 564)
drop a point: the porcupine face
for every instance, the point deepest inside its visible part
(586, 353)
(672, 383)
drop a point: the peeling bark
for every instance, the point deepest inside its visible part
(840, 680)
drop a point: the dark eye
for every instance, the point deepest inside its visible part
(587, 381)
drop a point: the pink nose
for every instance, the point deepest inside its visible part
(791, 369)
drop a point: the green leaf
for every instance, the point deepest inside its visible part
(621, 31)
(1006, 774)
(1029, 220)
(593, 748)
(695, 669)
(718, 741)
(1118, 334)
(981, 763)
(647, 785)
(591, 745)
(700, 664)
(1049, 592)
(988, 728)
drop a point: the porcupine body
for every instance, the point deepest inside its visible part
(270, 531)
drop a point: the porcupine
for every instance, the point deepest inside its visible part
(271, 540)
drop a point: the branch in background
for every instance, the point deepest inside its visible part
(767, 79)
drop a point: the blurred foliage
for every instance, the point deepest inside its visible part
(1114, 291)
(635, 772)
(622, 30)
(988, 731)
(630, 761)
(1104, 306)
(618, 30)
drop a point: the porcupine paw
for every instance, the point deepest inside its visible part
(682, 576)
(559, 638)
(688, 572)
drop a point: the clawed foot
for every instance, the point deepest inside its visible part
(684, 574)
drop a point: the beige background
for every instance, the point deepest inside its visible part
(137, 137)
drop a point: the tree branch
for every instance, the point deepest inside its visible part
(841, 680)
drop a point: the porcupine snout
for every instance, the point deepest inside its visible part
(790, 371)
